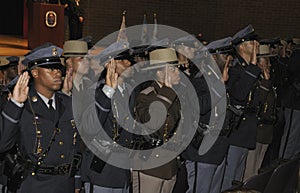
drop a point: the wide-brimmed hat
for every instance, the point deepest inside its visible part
(88, 40)
(3, 62)
(296, 41)
(283, 42)
(75, 48)
(9, 61)
(264, 51)
(160, 57)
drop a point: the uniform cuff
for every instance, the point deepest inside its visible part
(253, 71)
(12, 112)
(17, 103)
(108, 91)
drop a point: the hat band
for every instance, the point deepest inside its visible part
(244, 39)
(221, 50)
(75, 54)
(43, 61)
(164, 62)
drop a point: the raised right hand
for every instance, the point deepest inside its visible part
(253, 59)
(111, 76)
(21, 89)
(68, 81)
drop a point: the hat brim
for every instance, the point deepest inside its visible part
(8, 87)
(250, 37)
(225, 50)
(58, 66)
(43, 62)
(3, 62)
(159, 65)
(187, 44)
(265, 55)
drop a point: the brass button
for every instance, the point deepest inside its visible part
(34, 99)
(61, 143)
(62, 156)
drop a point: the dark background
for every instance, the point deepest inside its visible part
(214, 19)
(11, 17)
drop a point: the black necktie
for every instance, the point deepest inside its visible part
(50, 105)
(125, 93)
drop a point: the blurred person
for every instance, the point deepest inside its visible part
(160, 179)
(76, 19)
(100, 176)
(76, 64)
(289, 147)
(265, 95)
(8, 68)
(243, 76)
(204, 172)
(95, 68)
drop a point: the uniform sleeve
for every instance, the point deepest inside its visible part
(142, 108)
(10, 116)
(203, 94)
(265, 88)
(103, 104)
(241, 81)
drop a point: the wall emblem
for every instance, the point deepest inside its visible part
(51, 19)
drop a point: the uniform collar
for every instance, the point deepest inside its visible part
(76, 84)
(45, 99)
(242, 61)
(121, 88)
